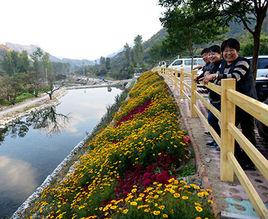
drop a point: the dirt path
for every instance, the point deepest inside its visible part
(7, 114)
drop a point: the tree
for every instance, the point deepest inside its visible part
(138, 50)
(102, 68)
(247, 45)
(157, 52)
(15, 62)
(108, 64)
(23, 62)
(10, 87)
(127, 55)
(187, 28)
(250, 13)
(47, 66)
(37, 69)
(10, 62)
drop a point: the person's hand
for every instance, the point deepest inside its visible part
(197, 67)
(209, 78)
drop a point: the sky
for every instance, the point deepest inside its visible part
(78, 28)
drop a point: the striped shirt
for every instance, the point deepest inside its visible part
(240, 71)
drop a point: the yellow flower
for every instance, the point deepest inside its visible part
(185, 197)
(176, 195)
(133, 203)
(172, 191)
(141, 195)
(198, 208)
(125, 211)
(210, 201)
(165, 216)
(161, 207)
(156, 212)
(196, 187)
(113, 207)
(134, 190)
(171, 180)
(146, 210)
(200, 194)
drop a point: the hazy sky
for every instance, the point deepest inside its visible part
(78, 28)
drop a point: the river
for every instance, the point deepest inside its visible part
(33, 147)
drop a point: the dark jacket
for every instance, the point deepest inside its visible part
(206, 67)
(214, 97)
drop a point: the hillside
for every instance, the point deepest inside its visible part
(31, 48)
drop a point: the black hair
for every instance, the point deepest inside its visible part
(231, 43)
(215, 48)
(205, 50)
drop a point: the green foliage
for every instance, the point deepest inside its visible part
(23, 96)
(247, 12)
(14, 62)
(188, 170)
(188, 27)
(247, 45)
(138, 51)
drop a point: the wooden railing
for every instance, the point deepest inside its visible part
(230, 99)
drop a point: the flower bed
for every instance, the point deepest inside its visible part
(130, 169)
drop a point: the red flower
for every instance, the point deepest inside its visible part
(146, 182)
(137, 110)
(162, 177)
(147, 175)
(186, 139)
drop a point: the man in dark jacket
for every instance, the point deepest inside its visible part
(207, 67)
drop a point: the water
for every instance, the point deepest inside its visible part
(32, 149)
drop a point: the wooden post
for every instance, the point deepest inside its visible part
(181, 82)
(227, 140)
(193, 96)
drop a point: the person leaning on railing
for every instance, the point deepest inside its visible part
(206, 67)
(215, 99)
(238, 68)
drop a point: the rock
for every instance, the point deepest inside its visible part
(207, 159)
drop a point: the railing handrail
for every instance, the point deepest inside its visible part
(230, 98)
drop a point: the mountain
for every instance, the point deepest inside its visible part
(31, 48)
(19, 48)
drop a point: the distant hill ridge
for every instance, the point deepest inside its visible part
(31, 48)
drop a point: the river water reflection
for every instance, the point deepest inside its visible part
(31, 149)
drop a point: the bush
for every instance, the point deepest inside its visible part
(23, 97)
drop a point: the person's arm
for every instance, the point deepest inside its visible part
(240, 70)
(197, 67)
(210, 77)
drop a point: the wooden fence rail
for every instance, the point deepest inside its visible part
(230, 99)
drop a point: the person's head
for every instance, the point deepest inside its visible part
(214, 54)
(204, 55)
(230, 50)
